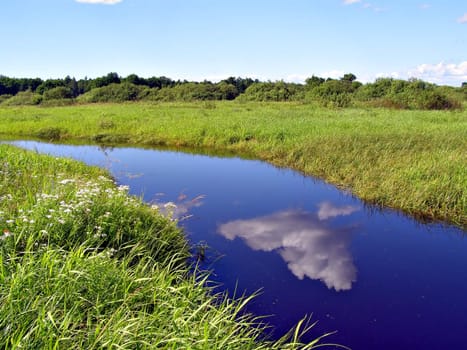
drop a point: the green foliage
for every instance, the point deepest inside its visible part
(332, 93)
(413, 94)
(111, 78)
(60, 92)
(344, 92)
(113, 93)
(241, 84)
(314, 81)
(3, 98)
(349, 77)
(23, 98)
(277, 91)
(194, 92)
(11, 86)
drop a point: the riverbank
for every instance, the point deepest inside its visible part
(85, 265)
(414, 161)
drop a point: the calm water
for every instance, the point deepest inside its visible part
(382, 280)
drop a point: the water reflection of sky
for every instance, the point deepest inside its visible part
(307, 244)
(410, 287)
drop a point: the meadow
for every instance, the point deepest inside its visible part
(411, 160)
(83, 265)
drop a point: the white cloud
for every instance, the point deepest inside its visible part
(308, 246)
(350, 2)
(441, 73)
(395, 75)
(296, 78)
(334, 74)
(370, 6)
(104, 2)
(462, 19)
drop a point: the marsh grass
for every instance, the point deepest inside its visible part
(83, 265)
(414, 161)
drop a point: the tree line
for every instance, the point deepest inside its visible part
(343, 92)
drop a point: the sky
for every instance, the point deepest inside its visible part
(213, 39)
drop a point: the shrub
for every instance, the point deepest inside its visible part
(58, 93)
(194, 92)
(273, 91)
(113, 93)
(5, 97)
(412, 94)
(23, 98)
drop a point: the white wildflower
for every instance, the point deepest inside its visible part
(66, 181)
(5, 235)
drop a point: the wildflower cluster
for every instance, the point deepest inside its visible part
(70, 208)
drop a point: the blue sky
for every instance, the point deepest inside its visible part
(215, 39)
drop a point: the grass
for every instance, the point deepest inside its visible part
(414, 161)
(83, 265)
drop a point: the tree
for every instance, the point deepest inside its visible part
(349, 77)
(314, 81)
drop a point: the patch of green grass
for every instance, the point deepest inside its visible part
(83, 265)
(414, 161)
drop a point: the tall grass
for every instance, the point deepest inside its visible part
(85, 266)
(410, 160)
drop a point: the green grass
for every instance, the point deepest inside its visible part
(83, 265)
(415, 161)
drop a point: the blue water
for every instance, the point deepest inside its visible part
(381, 279)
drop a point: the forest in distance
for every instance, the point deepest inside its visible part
(335, 93)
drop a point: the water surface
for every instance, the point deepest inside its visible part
(381, 279)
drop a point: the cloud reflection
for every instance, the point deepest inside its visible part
(179, 210)
(327, 210)
(306, 243)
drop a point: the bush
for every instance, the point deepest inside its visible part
(23, 98)
(273, 91)
(435, 100)
(333, 93)
(58, 93)
(412, 94)
(3, 98)
(113, 93)
(194, 92)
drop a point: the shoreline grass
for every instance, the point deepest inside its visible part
(83, 265)
(414, 161)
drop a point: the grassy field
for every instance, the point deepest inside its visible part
(85, 266)
(415, 161)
